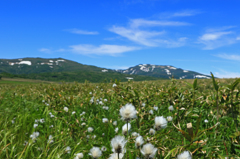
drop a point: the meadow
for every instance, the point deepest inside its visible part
(162, 119)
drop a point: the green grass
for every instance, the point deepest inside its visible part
(21, 105)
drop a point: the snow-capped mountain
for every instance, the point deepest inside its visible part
(163, 72)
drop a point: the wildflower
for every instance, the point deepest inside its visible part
(41, 120)
(206, 121)
(52, 116)
(79, 156)
(13, 121)
(115, 123)
(90, 92)
(184, 155)
(101, 103)
(103, 149)
(155, 108)
(116, 130)
(65, 109)
(90, 129)
(43, 101)
(118, 144)
(114, 85)
(50, 139)
(36, 121)
(169, 118)
(103, 134)
(94, 136)
(115, 156)
(143, 104)
(47, 104)
(148, 150)
(25, 143)
(160, 122)
(68, 150)
(105, 107)
(139, 141)
(135, 134)
(34, 135)
(151, 112)
(92, 100)
(73, 112)
(83, 124)
(128, 112)
(105, 100)
(51, 126)
(82, 113)
(95, 152)
(105, 120)
(126, 128)
(170, 108)
(35, 125)
(152, 131)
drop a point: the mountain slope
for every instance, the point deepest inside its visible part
(161, 71)
(40, 65)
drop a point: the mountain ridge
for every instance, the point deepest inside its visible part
(29, 67)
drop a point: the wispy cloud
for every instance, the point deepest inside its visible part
(227, 74)
(45, 50)
(183, 13)
(217, 37)
(136, 23)
(112, 50)
(135, 33)
(77, 31)
(213, 36)
(229, 56)
(238, 38)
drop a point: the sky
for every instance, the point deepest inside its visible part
(197, 35)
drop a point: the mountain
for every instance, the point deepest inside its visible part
(162, 71)
(59, 69)
(40, 65)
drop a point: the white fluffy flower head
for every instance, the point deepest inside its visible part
(105, 120)
(139, 141)
(79, 156)
(126, 128)
(152, 131)
(169, 118)
(90, 129)
(128, 112)
(118, 144)
(170, 108)
(148, 150)
(184, 155)
(95, 152)
(160, 122)
(65, 109)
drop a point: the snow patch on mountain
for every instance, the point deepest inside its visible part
(167, 71)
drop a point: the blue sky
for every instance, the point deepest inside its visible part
(198, 35)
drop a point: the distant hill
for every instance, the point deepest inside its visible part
(162, 71)
(59, 69)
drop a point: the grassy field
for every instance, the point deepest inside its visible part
(157, 119)
(21, 81)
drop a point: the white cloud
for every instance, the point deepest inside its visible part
(112, 50)
(149, 38)
(227, 74)
(136, 35)
(136, 23)
(238, 38)
(45, 50)
(217, 37)
(229, 57)
(77, 31)
(185, 13)
(213, 36)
